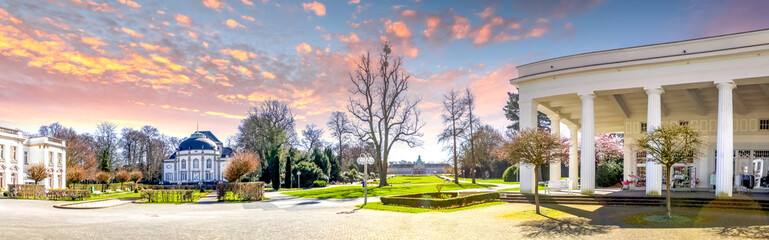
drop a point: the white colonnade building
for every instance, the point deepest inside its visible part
(18, 152)
(717, 85)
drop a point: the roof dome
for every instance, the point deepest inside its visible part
(197, 141)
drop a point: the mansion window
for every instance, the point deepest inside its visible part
(61, 181)
(13, 153)
(195, 176)
(763, 124)
(184, 164)
(2, 151)
(169, 177)
(50, 182)
(183, 176)
(26, 158)
(208, 176)
(195, 164)
(643, 127)
(58, 157)
(683, 123)
(50, 158)
(208, 163)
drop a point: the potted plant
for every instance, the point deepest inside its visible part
(626, 184)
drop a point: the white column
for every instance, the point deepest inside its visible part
(527, 119)
(725, 141)
(555, 168)
(573, 159)
(629, 157)
(654, 120)
(587, 162)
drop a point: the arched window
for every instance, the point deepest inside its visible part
(208, 163)
(195, 163)
(184, 164)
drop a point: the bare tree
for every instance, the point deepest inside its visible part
(241, 164)
(136, 176)
(122, 176)
(103, 178)
(107, 141)
(268, 131)
(312, 137)
(670, 144)
(380, 105)
(534, 147)
(340, 128)
(75, 174)
(471, 122)
(37, 172)
(453, 111)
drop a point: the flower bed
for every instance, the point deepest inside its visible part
(438, 200)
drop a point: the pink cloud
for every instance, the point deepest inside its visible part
(316, 7)
(233, 24)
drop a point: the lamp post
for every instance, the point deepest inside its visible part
(298, 180)
(365, 159)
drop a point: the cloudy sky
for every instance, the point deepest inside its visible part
(173, 63)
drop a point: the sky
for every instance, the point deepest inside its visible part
(173, 64)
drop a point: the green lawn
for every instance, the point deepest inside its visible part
(382, 207)
(518, 189)
(413, 179)
(356, 192)
(491, 180)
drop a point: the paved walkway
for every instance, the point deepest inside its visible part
(35, 219)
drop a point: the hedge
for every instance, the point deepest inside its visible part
(169, 196)
(436, 202)
(240, 191)
(26, 191)
(68, 194)
(319, 183)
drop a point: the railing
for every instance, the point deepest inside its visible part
(9, 131)
(59, 141)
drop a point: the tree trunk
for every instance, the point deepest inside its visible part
(454, 135)
(536, 187)
(667, 184)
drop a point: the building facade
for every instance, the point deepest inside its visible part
(717, 85)
(200, 158)
(417, 168)
(17, 152)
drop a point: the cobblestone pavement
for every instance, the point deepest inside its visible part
(30, 219)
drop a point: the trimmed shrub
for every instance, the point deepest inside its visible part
(68, 194)
(169, 196)
(511, 174)
(319, 183)
(26, 191)
(609, 173)
(440, 200)
(240, 191)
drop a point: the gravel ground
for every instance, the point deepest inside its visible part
(30, 219)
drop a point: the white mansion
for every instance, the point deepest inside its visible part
(417, 168)
(199, 158)
(17, 152)
(718, 85)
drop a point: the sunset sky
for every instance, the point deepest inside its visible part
(173, 63)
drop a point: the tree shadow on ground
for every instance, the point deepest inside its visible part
(562, 228)
(753, 232)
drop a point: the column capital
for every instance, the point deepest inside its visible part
(654, 91)
(588, 95)
(726, 85)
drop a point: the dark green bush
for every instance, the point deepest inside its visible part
(319, 183)
(511, 174)
(440, 200)
(609, 173)
(310, 173)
